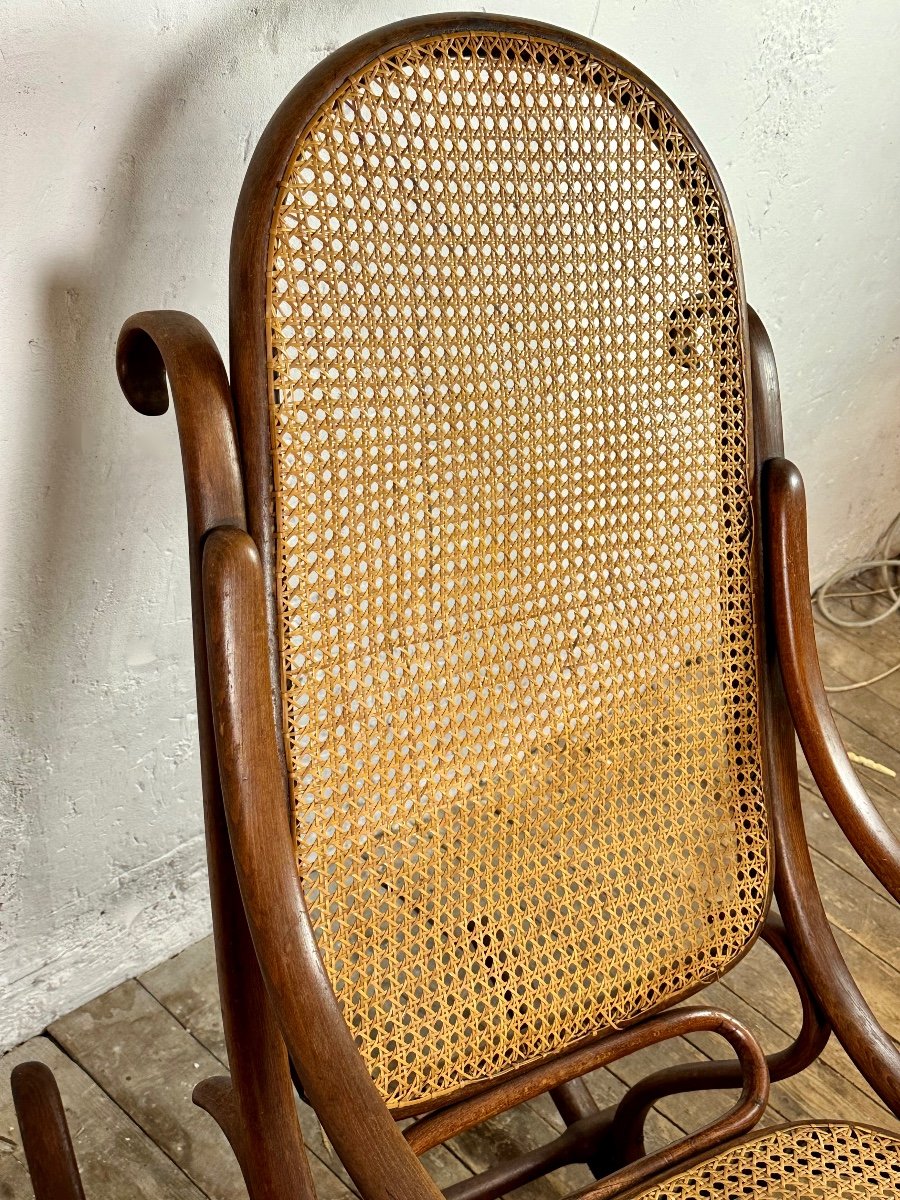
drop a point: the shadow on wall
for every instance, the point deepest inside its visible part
(83, 310)
(99, 661)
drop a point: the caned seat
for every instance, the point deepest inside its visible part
(508, 405)
(815, 1161)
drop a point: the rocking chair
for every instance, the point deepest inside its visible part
(502, 633)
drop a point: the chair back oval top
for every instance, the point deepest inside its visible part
(514, 562)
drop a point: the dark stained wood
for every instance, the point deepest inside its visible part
(588, 1135)
(331, 1070)
(573, 1101)
(860, 820)
(629, 1122)
(154, 347)
(575, 1144)
(584, 1135)
(45, 1133)
(575, 1104)
(799, 901)
(444, 1124)
(627, 1130)
(776, 733)
(511, 1135)
(866, 1042)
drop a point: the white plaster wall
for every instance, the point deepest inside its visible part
(125, 131)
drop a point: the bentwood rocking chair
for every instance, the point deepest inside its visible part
(502, 632)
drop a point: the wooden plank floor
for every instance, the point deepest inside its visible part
(127, 1062)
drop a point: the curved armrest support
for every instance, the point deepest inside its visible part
(45, 1133)
(332, 1072)
(157, 352)
(872, 838)
(853, 1021)
(740, 1118)
(161, 345)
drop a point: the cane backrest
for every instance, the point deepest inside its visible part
(511, 448)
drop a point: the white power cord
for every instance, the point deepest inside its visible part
(887, 566)
(851, 687)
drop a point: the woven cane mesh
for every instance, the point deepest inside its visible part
(806, 1162)
(510, 446)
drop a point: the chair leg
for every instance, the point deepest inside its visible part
(45, 1133)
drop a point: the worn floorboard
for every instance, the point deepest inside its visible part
(127, 1062)
(117, 1158)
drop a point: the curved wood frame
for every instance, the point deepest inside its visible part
(782, 526)
(856, 1026)
(456, 1118)
(331, 1070)
(255, 1106)
(45, 1133)
(625, 1135)
(875, 842)
(277, 1002)
(250, 364)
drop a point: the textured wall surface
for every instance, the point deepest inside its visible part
(126, 131)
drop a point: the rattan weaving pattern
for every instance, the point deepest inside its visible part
(508, 421)
(806, 1162)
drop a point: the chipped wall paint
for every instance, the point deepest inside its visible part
(126, 131)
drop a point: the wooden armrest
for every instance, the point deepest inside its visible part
(331, 1070)
(161, 345)
(45, 1133)
(255, 1106)
(800, 903)
(871, 837)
